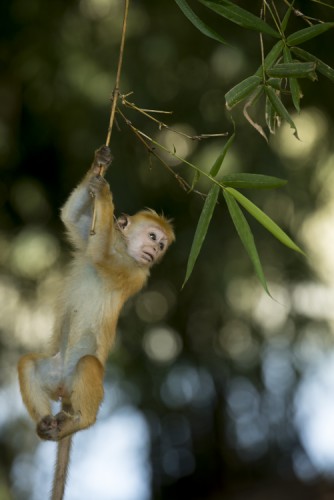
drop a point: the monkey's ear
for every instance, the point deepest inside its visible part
(123, 221)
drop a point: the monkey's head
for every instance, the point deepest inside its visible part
(147, 235)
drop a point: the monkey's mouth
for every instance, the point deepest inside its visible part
(148, 257)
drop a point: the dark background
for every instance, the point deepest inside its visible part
(226, 380)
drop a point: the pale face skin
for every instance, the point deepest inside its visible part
(147, 242)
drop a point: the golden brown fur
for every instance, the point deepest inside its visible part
(105, 271)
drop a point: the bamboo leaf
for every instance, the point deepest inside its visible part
(275, 83)
(280, 108)
(322, 67)
(219, 161)
(294, 70)
(263, 219)
(250, 102)
(246, 237)
(272, 119)
(252, 181)
(240, 16)
(242, 90)
(271, 57)
(305, 34)
(207, 212)
(296, 93)
(195, 180)
(287, 17)
(197, 22)
(201, 230)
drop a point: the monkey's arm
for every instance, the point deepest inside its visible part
(77, 212)
(99, 245)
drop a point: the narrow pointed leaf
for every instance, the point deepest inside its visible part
(219, 161)
(287, 17)
(275, 83)
(250, 102)
(252, 181)
(322, 67)
(305, 34)
(263, 219)
(201, 230)
(272, 119)
(242, 90)
(280, 108)
(293, 69)
(246, 236)
(271, 57)
(296, 93)
(240, 16)
(197, 22)
(195, 180)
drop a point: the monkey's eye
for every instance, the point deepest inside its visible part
(161, 246)
(153, 236)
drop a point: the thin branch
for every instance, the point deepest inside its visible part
(323, 3)
(273, 16)
(172, 153)
(305, 18)
(142, 138)
(115, 93)
(162, 125)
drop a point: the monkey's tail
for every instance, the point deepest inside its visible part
(60, 475)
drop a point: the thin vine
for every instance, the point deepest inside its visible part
(114, 98)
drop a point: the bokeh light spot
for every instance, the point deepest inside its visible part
(34, 251)
(162, 344)
(311, 125)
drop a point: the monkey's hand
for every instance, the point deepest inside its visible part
(102, 160)
(98, 186)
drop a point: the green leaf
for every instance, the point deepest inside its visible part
(287, 17)
(272, 119)
(322, 67)
(270, 58)
(219, 161)
(263, 219)
(201, 230)
(242, 90)
(246, 236)
(252, 181)
(240, 16)
(275, 83)
(195, 180)
(198, 23)
(305, 34)
(296, 93)
(293, 69)
(280, 108)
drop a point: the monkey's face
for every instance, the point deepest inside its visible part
(146, 242)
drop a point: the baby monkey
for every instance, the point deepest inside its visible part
(107, 268)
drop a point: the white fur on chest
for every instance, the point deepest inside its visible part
(84, 295)
(86, 301)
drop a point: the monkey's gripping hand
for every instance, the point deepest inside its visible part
(102, 160)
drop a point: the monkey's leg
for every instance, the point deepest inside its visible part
(33, 392)
(86, 397)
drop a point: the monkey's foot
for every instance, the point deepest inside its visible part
(50, 427)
